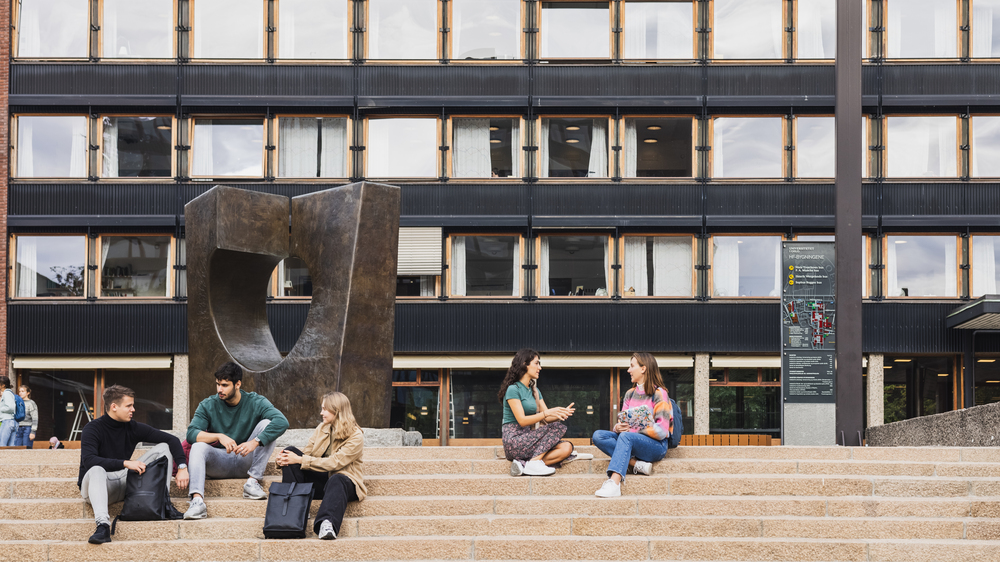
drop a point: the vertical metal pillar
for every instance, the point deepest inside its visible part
(849, 381)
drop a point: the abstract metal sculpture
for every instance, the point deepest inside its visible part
(348, 238)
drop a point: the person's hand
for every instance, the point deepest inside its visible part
(182, 478)
(31, 436)
(228, 443)
(244, 449)
(570, 410)
(287, 457)
(135, 466)
(621, 427)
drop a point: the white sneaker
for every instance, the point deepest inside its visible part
(196, 509)
(252, 490)
(326, 531)
(537, 468)
(643, 467)
(516, 468)
(574, 456)
(610, 489)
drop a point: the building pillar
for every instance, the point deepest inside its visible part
(701, 389)
(876, 390)
(181, 410)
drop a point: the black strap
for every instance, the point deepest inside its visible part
(114, 524)
(284, 505)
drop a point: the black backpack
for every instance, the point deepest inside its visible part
(287, 510)
(675, 438)
(146, 497)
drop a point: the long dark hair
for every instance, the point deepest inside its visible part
(518, 366)
(653, 378)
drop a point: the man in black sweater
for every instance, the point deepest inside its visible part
(105, 449)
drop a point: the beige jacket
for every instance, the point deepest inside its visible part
(336, 456)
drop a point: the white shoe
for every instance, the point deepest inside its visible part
(326, 531)
(196, 509)
(610, 489)
(643, 467)
(574, 456)
(252, 490)
(537, 468)
(516, 468)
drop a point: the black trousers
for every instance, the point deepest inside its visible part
(335, 491)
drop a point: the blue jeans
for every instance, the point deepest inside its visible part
(621, 447)
(23, 436)
(8, 429)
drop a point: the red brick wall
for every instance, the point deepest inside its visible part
(4, 168)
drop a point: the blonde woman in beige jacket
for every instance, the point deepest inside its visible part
(331, 461)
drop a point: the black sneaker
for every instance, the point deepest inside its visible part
(101, 535)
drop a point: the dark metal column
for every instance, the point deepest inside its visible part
(849, 382)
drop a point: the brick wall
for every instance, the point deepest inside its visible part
(5, 14)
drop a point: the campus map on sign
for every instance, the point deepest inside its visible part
(808, 321)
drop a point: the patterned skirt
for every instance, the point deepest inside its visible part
(525, 443)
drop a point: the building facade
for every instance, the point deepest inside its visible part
(584, 178)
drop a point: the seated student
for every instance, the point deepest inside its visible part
(331, 460)
(105, 449)
(8, 426)
(243, 425)
(54, 443)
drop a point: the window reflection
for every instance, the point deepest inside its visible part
(922, 146)
(415, 408)
(138, 29)
(402, 29)
(920, 29)
(921, 266)
(816, 30)
(917, 386)
(485, 266)
(987, 371)
(748, 29)
(986, 18)
(574, 266)
(658, 30)
(136, 147)
(747, 147)
(575, 30)
(293, 278)
(986, 146)
(477, 413)
(746, 266)
(135, 266)
(313, 29)
(589, 389)
(984, 265)
(154, 398)
(658, 148)
(51, 146)
(228, 147)
(815, 147)
(312, 147)
(415, 286)
(745, 409)
(486, 29)
(402, 148)
(486, 147)
(63, 398)
(228, 29)
(659, 266)
(49, 266)
(52, 28)
(574, 148)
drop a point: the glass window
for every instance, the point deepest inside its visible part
(922, 29)
(402, 148)
(477, 414)
(574, 266)
(659, 30)
(984, 264)
(402, 29)
(986, 18)
(228, 147)
(53, 28)
(137, 147)
(987, 380)
(579, 30)
(415, 286)
(486, 29)
(589, 389)
(415, 408)
(154, 395)
(745, 409)
(142, 29)
(658, 148)
(312, 147)
(574, 148)
(748, 29)
(65, 401)
(815, 146)
(746, 266)
(293, 278)
(986, 146)
(228, 29)
(51, 146)
(486, 147)
(816, 30)
(658, 266)
(747, 147)
(921, 266)
(49, 266)
(865, 271)
(313, 29)
(485, 266)
(135, 266)
(917, 386)
(922, 146)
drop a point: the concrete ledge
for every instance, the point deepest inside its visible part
(978, 426)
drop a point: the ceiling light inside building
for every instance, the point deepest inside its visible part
(650, 141)
(495, 141)
(572, 141)
(653, 128)
(494, 128)
(986, 361)
(572, 128)
(902, 360)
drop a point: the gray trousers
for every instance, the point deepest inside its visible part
(100, 487)
(208, 461)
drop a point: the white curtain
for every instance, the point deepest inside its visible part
(378, 150)
(203, 146)
(598, 167)
(726, 267)
(671, 266)
(105, 247)
(778, 274)
(895, 33)
(182, 287)
(333, 155)
(607, 268)
(982, 31)
(718, 150)
(199, 38)
(298, 143)
(110, 148)
(427, 286)
(636, 272)
(892, 269)
(29, 33)
(373, 31)
(810, 36)
(950, 267)
(543, 149)
(630, 162)
(517, 268)
(516, 148)
(25, 147)
(286, 36)
(944, 31)
(636, 17)
(984, 265)
(543, 266)
(27, 267)
(471, 157)
(109, 30)
(457, 267)
(78, 150)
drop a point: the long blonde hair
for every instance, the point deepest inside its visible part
(344, 424)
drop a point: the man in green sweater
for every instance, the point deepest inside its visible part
(233, 433)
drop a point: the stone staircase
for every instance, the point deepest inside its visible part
(459, 503)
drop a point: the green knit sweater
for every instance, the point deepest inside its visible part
(237, 422)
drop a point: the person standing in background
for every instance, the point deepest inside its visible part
(8, 426)
(27, 427)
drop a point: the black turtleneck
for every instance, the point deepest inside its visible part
(108, 443)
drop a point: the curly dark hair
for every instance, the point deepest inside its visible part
(518, 366)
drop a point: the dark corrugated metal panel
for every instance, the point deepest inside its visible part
(286, 321)
(909, 327)
(447, 199)
(959, 198)
(443, 80)
(96, 328)
(606, 80)
(617, 199)
(809, 199)
(771, 80)
(870, 199)
(97, 79)
(267, 80)
(941, 79)
(92, 199)
(191, 190)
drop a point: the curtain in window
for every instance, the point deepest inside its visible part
(182, 286)
(636, 274)
(607, 271)
(778, 273)
(457, 267)
(109, 30)
(26, 148)
(630, 148)
(892, 270)
(110, 148)
(203, 145)
(671, 266)
(543, 266)
(516, 148)
(726, 267)
(286, 36)
(333, 155)
(810, 43)
(982, 31)
(950, 269)
(984, 265)
(199, 38)
(426, 286)
(543, 150)
(471, 158)
(105, 247)
(29, 33)
(635, 30)
(78, 149)
(374, 32)
(599, 150)
(944, 27)
(298, 143)
(27, 267)
(378, 151)
(922, 148)
(895, 33)
(517, 268)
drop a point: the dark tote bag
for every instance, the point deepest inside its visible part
(146, 497)
(287, 510)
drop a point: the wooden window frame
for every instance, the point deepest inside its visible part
(887, 31)
(958, 264)
(972, 243)
(404, 179)
(191, 150)
(619, 140)
(958, 150)
(516, 174)
(522, 42)
(971, 141)
(621, 261)
(609, 273)
(276, 143)
(783, 59)
(12, 268)
(173, 35)
(437, 40)
(610, 140)
(15, 150)
(759, 383)
(611, 34)
(100, 149)
(711, 259)
(263, 33)
(696, 5)
(171, 283)
(276, 53)
(420, 377)
(446, 278)
(710, 123)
